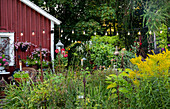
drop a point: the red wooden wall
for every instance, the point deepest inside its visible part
(17, 17)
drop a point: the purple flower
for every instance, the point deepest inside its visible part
(0, 57)
(0, 64)
(4, 59)
(162, 49)
(168, 45)
(36, 62)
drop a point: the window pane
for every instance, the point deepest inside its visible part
(4, 46)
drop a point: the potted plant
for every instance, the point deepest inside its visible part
(3, 62)
(21, 75)
(33, 60)
(24, 46)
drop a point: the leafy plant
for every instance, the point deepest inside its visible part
(119, 86)
(21, 74)
(3, 60)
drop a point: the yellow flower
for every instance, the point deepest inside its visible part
(136, 82)
(136, 59)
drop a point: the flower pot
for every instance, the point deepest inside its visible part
(24, 48)
(2, 68)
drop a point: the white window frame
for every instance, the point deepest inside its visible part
(11, 48)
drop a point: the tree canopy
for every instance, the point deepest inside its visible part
(109, 16)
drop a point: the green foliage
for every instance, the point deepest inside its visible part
(37, 62)
(21, 74)
(153, 93)
(162, 37)
(155, 13)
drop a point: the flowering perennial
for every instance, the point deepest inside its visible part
(3, 61)
(23, 44)
(156, 65)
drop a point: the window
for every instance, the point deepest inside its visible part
(7, 46)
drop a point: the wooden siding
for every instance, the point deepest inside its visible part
(17, 17)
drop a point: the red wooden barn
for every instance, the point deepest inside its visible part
(22, 20)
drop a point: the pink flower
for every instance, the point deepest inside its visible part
(62, 49)
(0, 57)
(56, 50)
(112, 60)
(6, 63)
(66, 55)
(4, 59)
(63, 52)
(0, 64)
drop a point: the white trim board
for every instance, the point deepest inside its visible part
(41, 11)
(52, 44)
(11, 48)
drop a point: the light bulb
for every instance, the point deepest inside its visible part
(72, 31)
(22, 34)
(106, 33)
(44, 3)
(61, 30)
(95, 33)
(117, 33)
(84, 32)
(33, 33)
(161, 31)
(43, 31)
(139, 33)
(128, 33)
(150, 32)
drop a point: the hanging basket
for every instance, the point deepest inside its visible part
(24, 48)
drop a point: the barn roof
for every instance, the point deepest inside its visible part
(41, 11)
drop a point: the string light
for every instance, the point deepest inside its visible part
(61, 30)
(44, 3)
(43, 31)
(61, 35)
(65, 37)
(68, 39)
(84, 32)
(150, 32)
(106, 33)
(72, 31)
(139, 33)
(161, 31)
(72, 41)
(128, 33)
(22, 34)
(33, 33)
(95, 33)
(117, 33)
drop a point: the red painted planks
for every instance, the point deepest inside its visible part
(18, 17)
